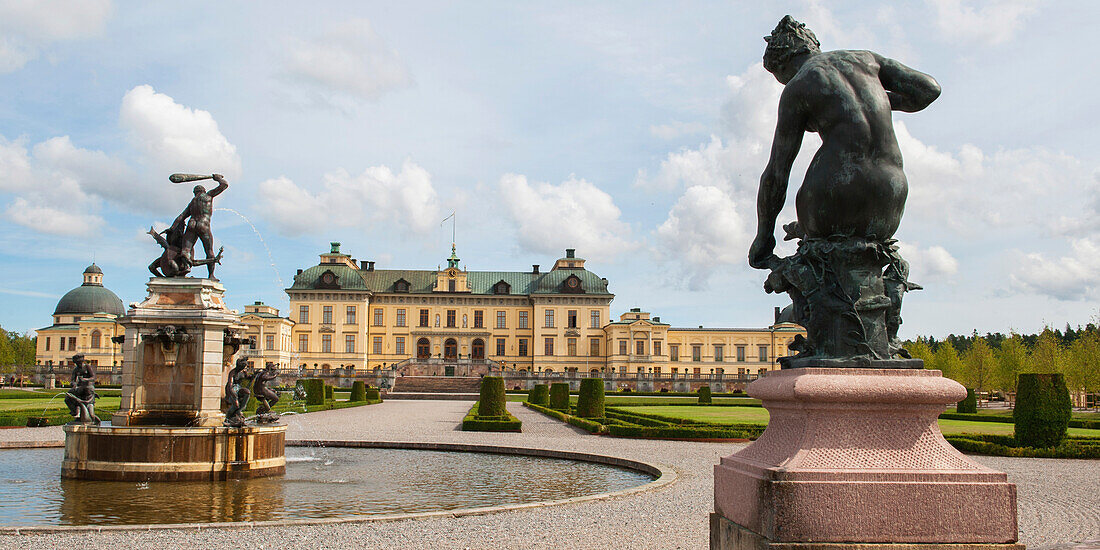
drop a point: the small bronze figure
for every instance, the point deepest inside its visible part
(193, 224)
(265, 395)
(236, 393)
(846, 279)
(81, 396)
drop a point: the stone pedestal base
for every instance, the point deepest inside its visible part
(727, 535)
(173, 454)
(855, 456)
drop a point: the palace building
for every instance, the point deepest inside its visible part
(83, 322)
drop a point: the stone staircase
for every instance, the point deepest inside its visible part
(436, 387)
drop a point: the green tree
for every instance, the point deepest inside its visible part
(1012, 359)
(919, 350)
(1082, 370)
(947, 361)
(1047, 355)
(7, 353)
(978, 365)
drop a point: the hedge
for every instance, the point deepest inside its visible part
(704, 395)
(1001, 445)
(733, 431)
(473, 422)
(969, 404)
(587, 425)
(358, 391)
(491, 401)
(1073, 422)
(733, 395)
(590, 401)
(328, 393)
(374, 394)
(539, 395)
(1043, 410)
(559, 396)
(314, 389)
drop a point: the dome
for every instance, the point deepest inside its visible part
(90, 298)
(93, 269)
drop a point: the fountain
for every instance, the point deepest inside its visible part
(178, 348)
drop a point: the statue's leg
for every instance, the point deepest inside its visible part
(207, 245)
(153, 268)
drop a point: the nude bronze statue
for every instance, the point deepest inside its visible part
(236, 393)
(265, 395)
(81, 396)
(173, 262)
(846, 279)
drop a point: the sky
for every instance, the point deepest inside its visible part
(634, 132)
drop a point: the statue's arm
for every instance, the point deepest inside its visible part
(222, 186)
(789, 130)
(909, 90)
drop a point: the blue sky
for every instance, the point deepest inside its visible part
(633, 132)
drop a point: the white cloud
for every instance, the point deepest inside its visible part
(378, 194)
(994, 23)
(28, 27)
(676, 129)
(175, 138)
(1072, 278)
(703, 234)
(573, 214)
(349, 59)
(55, 221)
(931, 263)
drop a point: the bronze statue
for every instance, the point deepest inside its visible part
(265, 395)
(81, 396)
(193, 224)
(236, 393)
(846, 279)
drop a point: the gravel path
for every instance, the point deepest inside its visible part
(1059, 499)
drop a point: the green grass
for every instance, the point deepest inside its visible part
(1077, 415)
(35, 406)
(618, 400)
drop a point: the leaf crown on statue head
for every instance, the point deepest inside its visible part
(790, 38)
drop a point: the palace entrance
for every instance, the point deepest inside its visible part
(450, 349)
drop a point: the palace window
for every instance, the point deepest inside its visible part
(523, 347)
(62, 343)
(500, 347)
(549, 320)
(718, 349)
(423, 317)
(762, 353)
(720, 371)
(269, 342)
(697, 352)
(549, 348)
(95, 339)
(47, 343)
(450, 318)
(594, 347)
(326, 343)
(572, 316)
(349, 343)
(673, 352)
(399, 345)
(522, 319)
(351, 316)
(594, 319)
(502, 319)
(378, 317)
(451, 285)
(303, 314)
(571, 347)
(326, 315)
(479, 319)
(377, 344)
(477, 349)
(639, 347)
(740, 353)
(622, 347)
(657, 347)
(303, 343)
(401, 317)
(72, 343)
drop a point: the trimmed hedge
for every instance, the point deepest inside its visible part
(733, 431)
(314, 389)
(704, 395)
(374, 394)
(539, 395)
(1073, 422)
(1002, 445)
(491, 401)
(559, 396)
(328, 393)
(588, 425)
(473, 422)
(969, 404)
(1043, 410)
(590, 402)
(358, 391)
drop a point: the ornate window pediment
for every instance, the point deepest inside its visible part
(572, 285)
(502, 287)
(401, 285)
(328, 279)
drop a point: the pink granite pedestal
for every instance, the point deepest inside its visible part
(853, 458)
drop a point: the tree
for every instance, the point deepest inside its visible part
(7, 353)
(920, 350)
(946, 359)
(1082, 370)
(1012, 359)
(1047, 355)
(978, 365)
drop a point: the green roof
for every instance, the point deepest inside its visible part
(423, 281)
(88, 299)
(60, 327)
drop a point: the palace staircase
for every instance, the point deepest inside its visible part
(465, 388)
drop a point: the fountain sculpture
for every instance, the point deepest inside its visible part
(178, 350)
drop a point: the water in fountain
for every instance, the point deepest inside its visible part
(270, 258)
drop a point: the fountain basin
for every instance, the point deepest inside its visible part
(163, 453)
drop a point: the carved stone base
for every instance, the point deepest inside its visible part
(855, 456)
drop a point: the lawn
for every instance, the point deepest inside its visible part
(618, 400)
(759, 415)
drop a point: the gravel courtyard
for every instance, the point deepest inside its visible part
(1059, 500)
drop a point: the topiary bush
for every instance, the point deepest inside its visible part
(328, 393)
(1043, 410)
(491, 401)
(539, 395)
(969, 404)
(559, 396)
(374, 394)
(590, 400)
(358, 391)
(314, 388)
(704, 395)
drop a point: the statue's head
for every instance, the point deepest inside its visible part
(789, 39)
(78, 359)
(199, 190)
(242, 362)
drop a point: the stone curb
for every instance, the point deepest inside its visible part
(666, 475)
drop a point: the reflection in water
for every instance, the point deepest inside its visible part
(320, 482)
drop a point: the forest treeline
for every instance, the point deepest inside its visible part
(16, 351)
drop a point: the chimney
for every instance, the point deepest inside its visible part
(570, 252)
(777, 310)
(335, 247)
(370, 266)
(299, 272)
(656, 319)
(535, 269)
